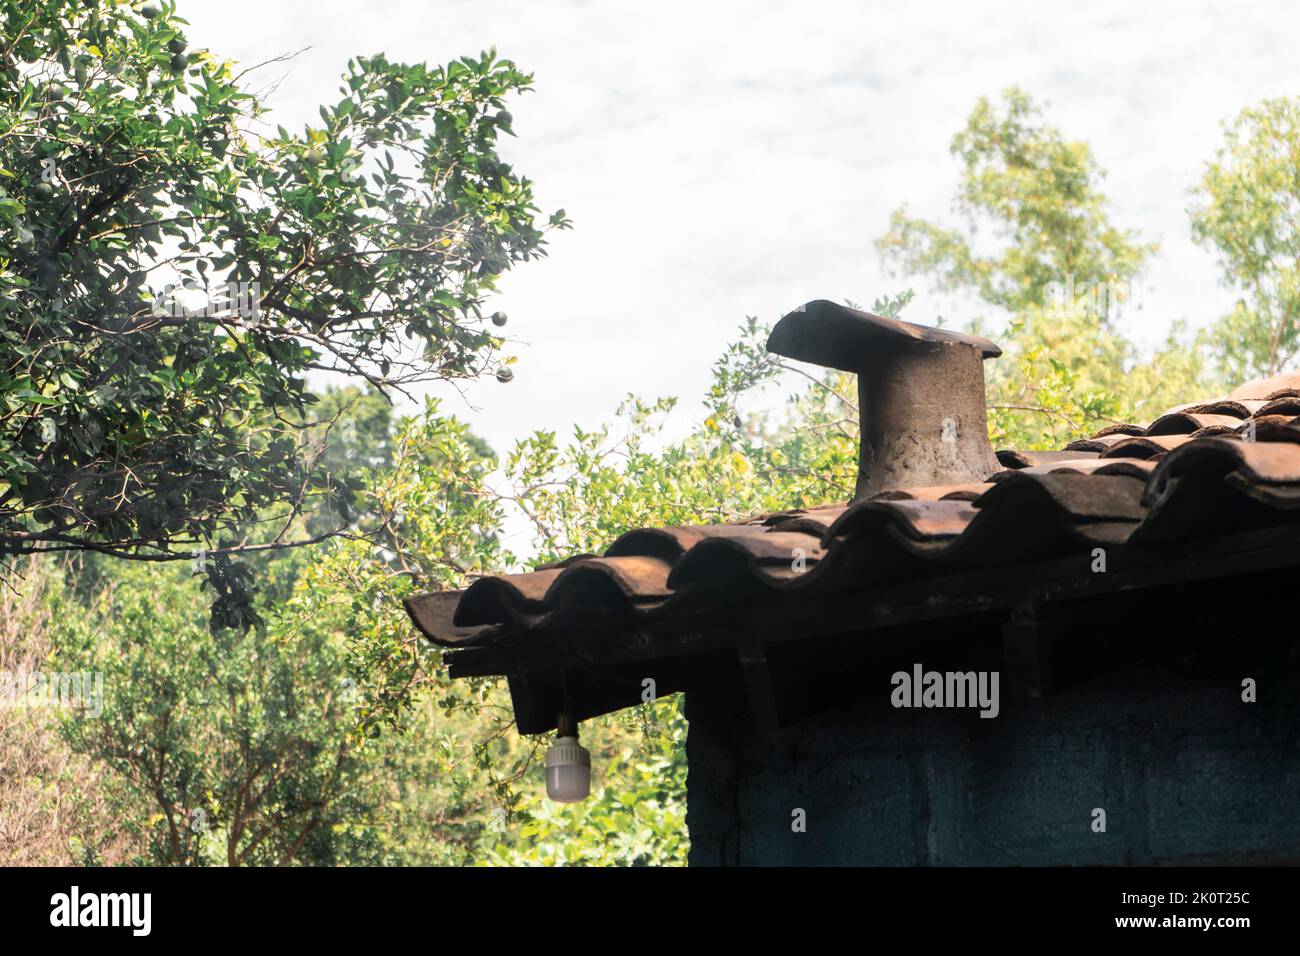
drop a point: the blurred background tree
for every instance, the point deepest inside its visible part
(1247, 209)
(1037, 198)
(1058, 271)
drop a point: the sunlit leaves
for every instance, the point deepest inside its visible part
(372, 240)
(1036, 224)
(1037, 197)
(1247, 209)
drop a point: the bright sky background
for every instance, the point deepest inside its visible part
(729, 159)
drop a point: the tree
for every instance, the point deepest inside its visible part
(1038, 194)
(1061, 270)
(1247, 209)
(147, 413)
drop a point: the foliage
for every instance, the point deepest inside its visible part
(241, 741)
(140, 414)
(1065, 374)
(1063, 271)
(1038, 194)
(436, 525)
(1247, 210)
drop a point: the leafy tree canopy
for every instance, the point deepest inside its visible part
(1247, 209)
(1063, 270)
(1037, 194)
(148, 407)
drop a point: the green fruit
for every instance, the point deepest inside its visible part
(503, 118)
(176, 45)
(149, 11)
(498, 318)
(315, 155)
(43, 190)
(179, 62)
(504, 375)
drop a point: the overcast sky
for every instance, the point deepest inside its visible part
(729, 159)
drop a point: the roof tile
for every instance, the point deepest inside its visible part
(1184, 423)
(1266, 389)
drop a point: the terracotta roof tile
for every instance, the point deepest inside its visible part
(1221, 406)
(1098, 443)
(1122, 428)
(1274, 428)
(1288, 405)
(966, 492)
(1146, 446)
(1184, 423)
(1030, 459)
(1266, 389)
(1138, 467)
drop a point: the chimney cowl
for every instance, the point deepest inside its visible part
(921, 401)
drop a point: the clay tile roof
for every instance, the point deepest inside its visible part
(1192, 476)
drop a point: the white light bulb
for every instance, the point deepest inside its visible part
(568, 771)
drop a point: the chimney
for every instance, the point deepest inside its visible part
(920, 393)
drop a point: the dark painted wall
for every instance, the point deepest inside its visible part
(1184, 769)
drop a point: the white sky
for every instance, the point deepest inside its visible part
(729, 159)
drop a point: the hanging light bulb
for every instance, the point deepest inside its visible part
(568, 764)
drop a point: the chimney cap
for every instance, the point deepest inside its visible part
(835, 336)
